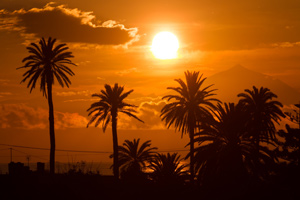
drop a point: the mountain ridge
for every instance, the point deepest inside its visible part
(231, 82)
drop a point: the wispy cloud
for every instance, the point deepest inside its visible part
(79, 100)
(68, 25)
(72, 93)
(100, 78)
(286, 44)
(2, 94)
(5, 93)
(127, 71)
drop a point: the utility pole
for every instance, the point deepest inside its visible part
(10, 154)
(28, 158)
(298, 105)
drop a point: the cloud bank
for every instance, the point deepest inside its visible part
(21, 116)
(67, 25)
(149, 112)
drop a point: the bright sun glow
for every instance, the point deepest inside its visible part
(165, 45)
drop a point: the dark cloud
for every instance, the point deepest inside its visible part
(68, 25)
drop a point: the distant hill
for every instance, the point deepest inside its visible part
(238, 78)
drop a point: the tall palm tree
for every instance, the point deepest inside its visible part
(189, 108)
(106, 110)
(224, 153)
(133, 158)
(48, 62)
(262, 112)
(168, 168)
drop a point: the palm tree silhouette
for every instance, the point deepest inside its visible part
(262, 112)
(106, 109)
(168, 168)
(190, 108)
(47, 62)
(133, 158)
(224, 153)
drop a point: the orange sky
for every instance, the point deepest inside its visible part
(263, 36)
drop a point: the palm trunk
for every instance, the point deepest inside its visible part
(51, 129)
(192, 156)
(256, 144)
(115, 147)
(299, 115)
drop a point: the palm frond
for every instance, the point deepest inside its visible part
(43, 63)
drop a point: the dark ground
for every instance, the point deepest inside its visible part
(90, 187)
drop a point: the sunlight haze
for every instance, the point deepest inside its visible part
(125, 42)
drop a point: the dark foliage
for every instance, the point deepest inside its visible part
(289, 145)
(168, 169)
(189, 108)
(262, 111)
(106, 110)
(134, 159)
(224, 154)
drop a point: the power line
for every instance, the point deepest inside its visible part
(175, 150)
(80, 151)
(14, 156)
(38, 148)
(28, 154)
(20, 151)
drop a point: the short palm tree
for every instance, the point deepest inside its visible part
(189, 108)
(224, 153)
(46, 63)
(134, 158)
(262, 112)
(107, 109)
(168, 168)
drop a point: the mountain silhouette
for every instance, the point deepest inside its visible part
(235, 80)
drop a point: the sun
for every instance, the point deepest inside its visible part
(165, 45)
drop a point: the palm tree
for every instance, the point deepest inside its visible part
(224, 153)
(262, 112)
(190, 108)
(106, 110)
(133, 158)
(168, 168)
(48, 62)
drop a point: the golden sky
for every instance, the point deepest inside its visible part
(111, 42)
